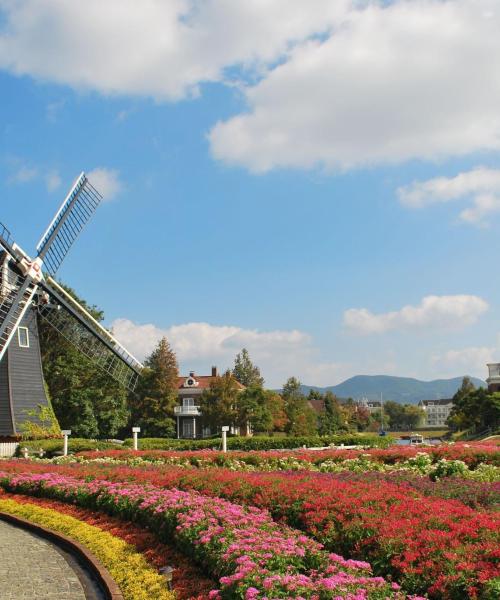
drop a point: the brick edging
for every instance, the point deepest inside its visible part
(111, 589)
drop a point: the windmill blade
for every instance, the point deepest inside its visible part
(16, 296)
(7, 243)
(75, 324)
(77, 208)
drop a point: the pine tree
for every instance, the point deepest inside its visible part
(245, 371)
(152, 408)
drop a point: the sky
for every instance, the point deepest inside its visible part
(316, 181)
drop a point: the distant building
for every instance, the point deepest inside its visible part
(493, 380)
(189, 418)
(371, 405)
(436, 411)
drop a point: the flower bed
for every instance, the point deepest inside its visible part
(188, 582)
(135, 578)
(253, 556)
(319, 460)
(428, 544)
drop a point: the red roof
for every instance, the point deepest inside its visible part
(203, 381)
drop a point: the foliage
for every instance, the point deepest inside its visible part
(476, 409)
(43, 425)
(431, 544)
(246, 372)
(264, 442)
(52, 447)
(302, 419)
(84, 398)
(219, 404)
(152, 406)
(252, 555)
(135, 578)
(403, 416)
(332, 419)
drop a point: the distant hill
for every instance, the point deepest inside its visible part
(401, 389)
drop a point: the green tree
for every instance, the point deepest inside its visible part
(479, 410)
(84, 398)
(245, 371)
(152, 407)
(219, 403)
(331, 419)
(302, 419)
(254, 409)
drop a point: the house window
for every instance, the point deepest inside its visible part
(187, 402)
(23, 337)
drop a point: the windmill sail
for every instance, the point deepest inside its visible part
(77, 208)
(75, 324)
(16, 295)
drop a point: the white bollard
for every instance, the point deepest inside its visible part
(66, 433)
(225, 429)
(135, 431)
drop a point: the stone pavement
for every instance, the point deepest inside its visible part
(32, 568)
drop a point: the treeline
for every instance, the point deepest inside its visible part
(474, 409)
(93, 405)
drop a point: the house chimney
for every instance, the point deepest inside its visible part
(214, 371)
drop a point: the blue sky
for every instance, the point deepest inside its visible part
(322, 188)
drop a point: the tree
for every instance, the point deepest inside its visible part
(152, 408)
(331, 419)
(479, 410)
(276, 406)
(403, 416)
(302, 419)
(84, 398)
(245, 371)
(219, 403)
(254, 409)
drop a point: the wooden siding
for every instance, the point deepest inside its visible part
(24, 369)
(6, 423)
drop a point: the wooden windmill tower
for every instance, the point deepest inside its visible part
(27, 290)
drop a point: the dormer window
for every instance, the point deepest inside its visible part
(190, 382)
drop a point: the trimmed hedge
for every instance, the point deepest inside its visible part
(264, 443)
(52, 447)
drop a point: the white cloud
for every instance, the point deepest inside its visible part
(472, 360)
(157, 48)
(52, 181)
(480, 185)
(338, 84)
(279, 354)
(393, 82)
(24, 174)
(106, 181)
(434, 312)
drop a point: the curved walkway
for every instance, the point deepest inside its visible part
(32, 568)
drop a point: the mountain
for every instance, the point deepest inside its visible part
(400, 389)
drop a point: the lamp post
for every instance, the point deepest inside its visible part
(225, 429)
(135, 431)
(66, 433)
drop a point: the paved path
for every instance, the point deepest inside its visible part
(33, 569)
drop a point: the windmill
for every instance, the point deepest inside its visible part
(28, 290)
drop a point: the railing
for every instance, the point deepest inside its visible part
(187, 410)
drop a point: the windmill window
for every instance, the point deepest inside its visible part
(23, 337)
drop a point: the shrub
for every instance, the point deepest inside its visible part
(264, 443)
(53, 446)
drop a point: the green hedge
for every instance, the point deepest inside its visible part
(52, 447)
(264, 443)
